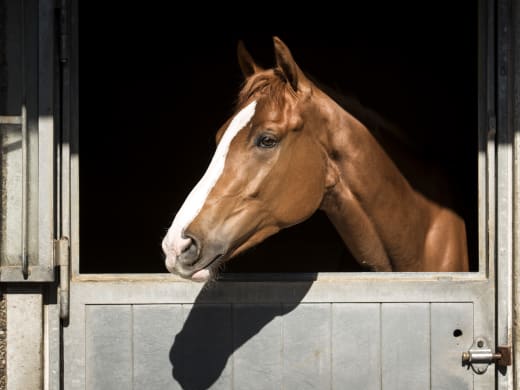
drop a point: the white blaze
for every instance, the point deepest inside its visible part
(198, 195)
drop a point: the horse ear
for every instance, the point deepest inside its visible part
(290, 69)
(246, 62)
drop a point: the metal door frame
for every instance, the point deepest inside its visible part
(27, 272)
(496, 168)
(28, 223)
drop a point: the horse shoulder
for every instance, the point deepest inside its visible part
(445, 247)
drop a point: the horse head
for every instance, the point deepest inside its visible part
(269, 171)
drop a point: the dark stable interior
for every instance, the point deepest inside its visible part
(152, 96)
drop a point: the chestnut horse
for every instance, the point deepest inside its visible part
(289, 150)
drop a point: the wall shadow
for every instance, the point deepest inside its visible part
(212, 330)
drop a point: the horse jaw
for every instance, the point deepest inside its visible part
(254, 240)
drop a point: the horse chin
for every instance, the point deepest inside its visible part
(198, 272)
(209, 271)
(202, 275)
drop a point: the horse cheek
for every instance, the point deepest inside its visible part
(304, 185)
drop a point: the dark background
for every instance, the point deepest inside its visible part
(153, 93)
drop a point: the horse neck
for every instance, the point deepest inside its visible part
(370, 201)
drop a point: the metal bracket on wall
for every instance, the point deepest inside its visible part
(480, 356)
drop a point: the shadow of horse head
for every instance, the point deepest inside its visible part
(219, 323)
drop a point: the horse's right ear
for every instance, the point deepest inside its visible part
(291, 71)
(246, 62)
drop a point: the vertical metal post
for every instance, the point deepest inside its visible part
(25, 205)
(25, 159)
(64, 162)
(62, 252)
(64, 207)
(516, 193)
(504, 226)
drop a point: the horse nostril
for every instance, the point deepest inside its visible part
(190, 253)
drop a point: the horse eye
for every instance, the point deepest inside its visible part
(266, 141)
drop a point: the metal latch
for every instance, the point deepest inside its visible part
(480, 356)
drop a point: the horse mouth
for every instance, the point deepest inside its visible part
(207, 271)
(215, 262)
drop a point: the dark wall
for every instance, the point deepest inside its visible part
(152, 95)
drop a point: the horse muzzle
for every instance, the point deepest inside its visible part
(189, 258)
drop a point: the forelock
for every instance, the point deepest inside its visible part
(271, 84)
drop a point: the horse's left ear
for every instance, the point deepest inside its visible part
(290, 69)
(246, 61)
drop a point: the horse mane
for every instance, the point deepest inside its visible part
(425, 174)
(380, 127)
